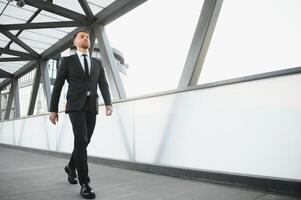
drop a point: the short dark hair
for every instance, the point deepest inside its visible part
(75, 34)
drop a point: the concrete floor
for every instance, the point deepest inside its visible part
(31, 176)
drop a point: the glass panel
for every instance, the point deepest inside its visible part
(119, 142)
(66, 30)
(16, 47)
(155, 46)
(97, 6)
(102, 3)
(36, 36)
(3, 43)
(14, 31)
(36, 45)
(18, 13)
(253, 37)
(25, 7)
(53, 33)
(229, 128)
(12, 67)
(41, 105)
(2, 5)
(16, 63)
(95, 9)
(45, 16)
(70, 4)
(52, 68)
(8, 56)
(10, 20)
(50, 33)
(63, 97)
(3, 99)
(4, 38)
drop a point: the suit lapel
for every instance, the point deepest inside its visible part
(77, 63)
(92, 67)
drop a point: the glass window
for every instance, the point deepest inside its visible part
(252, 37)
(154, 39)
(25, 88)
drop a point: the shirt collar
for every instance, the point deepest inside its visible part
(80, 53)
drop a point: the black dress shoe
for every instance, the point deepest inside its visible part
(71, 175)
(87, 191)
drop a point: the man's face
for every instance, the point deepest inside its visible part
(82, 40)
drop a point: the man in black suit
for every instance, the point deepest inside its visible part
(83, 73)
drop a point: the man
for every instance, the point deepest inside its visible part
(83, 73)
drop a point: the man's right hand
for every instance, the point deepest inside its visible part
(53, 117)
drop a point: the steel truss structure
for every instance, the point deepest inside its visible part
(95, 24)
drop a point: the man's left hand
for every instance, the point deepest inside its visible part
(109, 110)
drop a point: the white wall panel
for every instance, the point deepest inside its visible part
(7, 132)
(34, 134)
(64, 134)
(18, 130)
(250, 128)
(151, 120)
(113, 135)
(51, 133)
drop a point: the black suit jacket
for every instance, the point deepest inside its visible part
(70, 69)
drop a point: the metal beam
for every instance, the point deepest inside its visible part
(109, 63)
(34, 90)
(58, 10)
(200, 43)
(57, 48)
(51, 52)
(20, 31)
(15, 53)
(15, 59)
(194, 62)
(19, 42)
(46, 82)
(26, 68)
(85, 6)
(16, 97)
(92, 41)
(9, 102)
(115, 10)
(5, 74)
(43, 25)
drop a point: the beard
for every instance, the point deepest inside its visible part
(85, 45)
(82, 44)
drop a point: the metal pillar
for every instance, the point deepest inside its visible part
(194, 61)
(0, 105)
(200, 43)
(46, 82)
(16, 97)
(34, 90)
(92, 41)
(9, 102)
(109, 63)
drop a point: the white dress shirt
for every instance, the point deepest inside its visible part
(81, 59)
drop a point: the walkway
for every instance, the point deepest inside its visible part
(31, 176)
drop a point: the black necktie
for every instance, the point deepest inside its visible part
(86, 65)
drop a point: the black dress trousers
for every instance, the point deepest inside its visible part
(83, 124)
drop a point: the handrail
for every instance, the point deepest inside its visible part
(260, 76)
